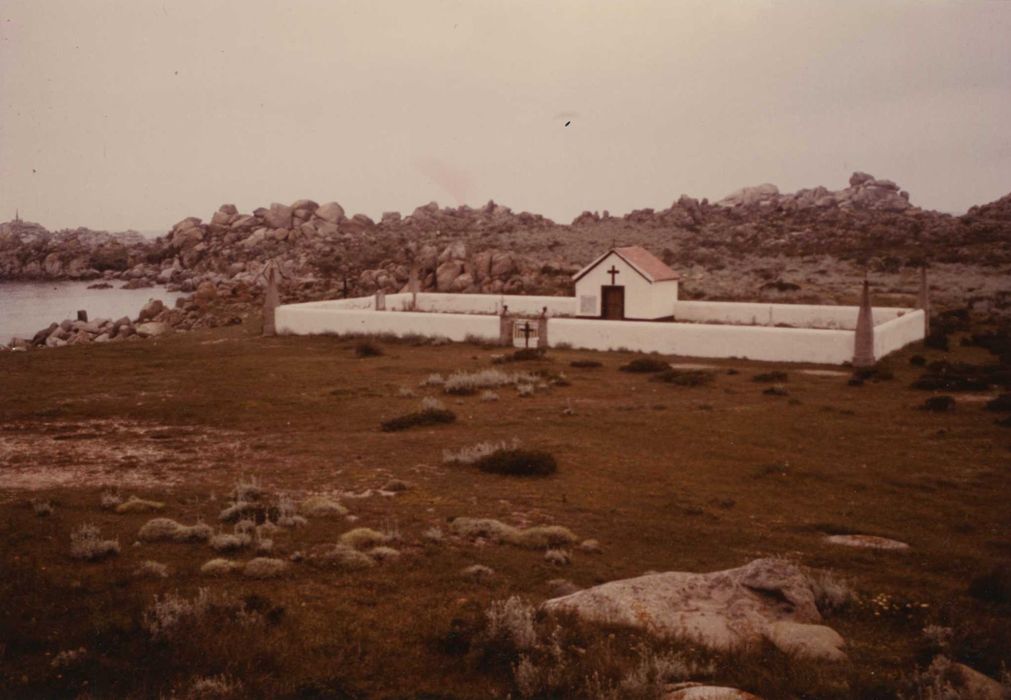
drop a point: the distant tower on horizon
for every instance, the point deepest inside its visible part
(17, 216)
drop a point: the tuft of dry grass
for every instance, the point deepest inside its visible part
(558, 557)
(137, 505)
(151, 569)
(224, 542)
(168, 530)
(42, 508)
(384, 554)
(321, 507)
(477, 572)
(472, 453)
(264, 567)
(537, 537)
(345, 558)
(86, 543)
(219, 567)
(363, 538)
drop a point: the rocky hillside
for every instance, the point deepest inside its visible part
(869, 225)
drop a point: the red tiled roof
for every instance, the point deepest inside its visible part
(647, 264)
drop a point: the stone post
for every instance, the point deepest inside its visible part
(505, 327)
(863, 338)
(923, 300)
(413, 285)
(271, 300)
(380, 300)
(82, 315)
(542, 330)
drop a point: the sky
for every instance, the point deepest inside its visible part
(118, 114)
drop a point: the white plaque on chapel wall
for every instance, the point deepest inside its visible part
(587, 304)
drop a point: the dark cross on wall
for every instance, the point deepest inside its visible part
(612, 272)
(527, 330)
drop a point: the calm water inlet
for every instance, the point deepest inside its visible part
(26, 307)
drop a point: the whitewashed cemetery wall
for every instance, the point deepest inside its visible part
(705, 340)
(897, 333)
(798, 315)
(492, 304)
(477, 317)
(308, 319)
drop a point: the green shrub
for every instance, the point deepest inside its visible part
(646, 364)
(682, 377)
(430, 416)
(518, 462)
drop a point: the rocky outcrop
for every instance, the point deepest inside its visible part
(769, 599)
(492, 249)
(865, 192)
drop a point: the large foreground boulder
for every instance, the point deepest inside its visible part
(769, 599)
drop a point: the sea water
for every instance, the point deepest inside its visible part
(26, 307)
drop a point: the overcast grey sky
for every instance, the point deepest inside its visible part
(136, 113)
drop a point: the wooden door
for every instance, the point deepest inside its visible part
(612, 302)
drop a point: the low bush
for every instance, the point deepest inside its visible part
(939, 404)
(585, 364)
(518, 462)
(1001, 403)
(773, 376)
(521, 355)
(366, 348)
(685, 377)
(876, 373)
(430, 416)
(936, 340)
(645, 365)
(959, 376)
(994, 586)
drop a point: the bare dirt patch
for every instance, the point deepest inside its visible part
(97, 453)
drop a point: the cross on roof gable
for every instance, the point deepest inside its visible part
(639, 259)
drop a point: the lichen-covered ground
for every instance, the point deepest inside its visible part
(666, 477)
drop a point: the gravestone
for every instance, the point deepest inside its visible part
(380, 300)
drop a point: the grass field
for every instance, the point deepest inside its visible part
(664, 476)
